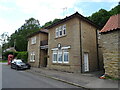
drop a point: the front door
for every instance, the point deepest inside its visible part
(86, 62)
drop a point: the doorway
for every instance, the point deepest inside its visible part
(86, 62)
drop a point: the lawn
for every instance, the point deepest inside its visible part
(3, 61)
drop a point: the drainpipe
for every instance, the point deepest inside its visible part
(39, 58)
(81, 47)
(98, 65)
(39, 53)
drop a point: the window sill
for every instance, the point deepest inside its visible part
(60, 36)
(62, 64)
(32, 61)
(33, 44)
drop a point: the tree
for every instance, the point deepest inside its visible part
(50, 22)
(115, 10)
(19, 38)
(4, 38)
(100, 17)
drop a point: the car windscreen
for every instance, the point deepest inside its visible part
(19, 62)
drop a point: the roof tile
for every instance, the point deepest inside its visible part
(112, 24)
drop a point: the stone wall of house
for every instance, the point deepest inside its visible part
(89, 45)
(110, 42)
(100, 53)
(36, 48)
(72, 38)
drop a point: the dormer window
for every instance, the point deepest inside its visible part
(60, 31)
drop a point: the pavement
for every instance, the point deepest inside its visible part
(85, 80)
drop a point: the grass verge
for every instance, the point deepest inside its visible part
(3, 61)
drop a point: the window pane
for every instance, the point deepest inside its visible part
(60, 56)
(60, 33)
(57, 32)
(64, 32)
(60, 30)
(66, 56)
(54, 58)
(64, 29)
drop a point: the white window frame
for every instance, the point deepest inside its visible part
(60, 53)
(60, 30)
(65, 52)
(32, 57)
(57, 32)
(53, 58)
(33, 40)
(64, 29)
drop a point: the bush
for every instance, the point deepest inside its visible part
(23, 55)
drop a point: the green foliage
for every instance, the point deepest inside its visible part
(50, 23)
(115, 10)
(19, 38)
(112, 78)
(23, 55)
(101, 17)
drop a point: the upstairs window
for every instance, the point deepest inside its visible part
(64, 30)
(57, 32)
(33, 40)
(60, 31)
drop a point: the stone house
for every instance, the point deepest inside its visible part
(73, 45)
(110, 36)
(37, 48)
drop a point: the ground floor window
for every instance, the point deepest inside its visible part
(32, 56)
(65, 56)
(54, 56)
(60, 56)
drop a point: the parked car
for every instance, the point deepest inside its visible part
(18, 64)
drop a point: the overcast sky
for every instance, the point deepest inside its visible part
(13, 13)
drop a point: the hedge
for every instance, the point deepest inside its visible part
(19, 55)
(23, 55)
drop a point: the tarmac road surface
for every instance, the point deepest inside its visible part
(21, 79)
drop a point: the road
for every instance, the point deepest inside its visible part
(22, 79)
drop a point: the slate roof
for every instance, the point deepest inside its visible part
(112, 24)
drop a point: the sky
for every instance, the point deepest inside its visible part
(13, 13)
